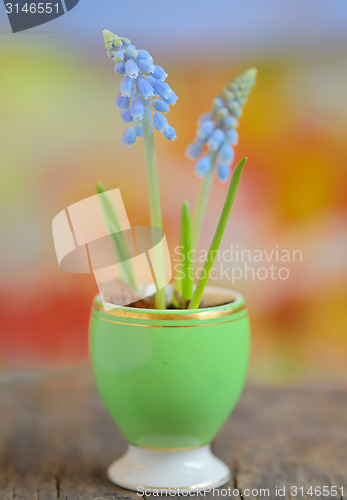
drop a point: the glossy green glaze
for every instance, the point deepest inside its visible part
(170, 378)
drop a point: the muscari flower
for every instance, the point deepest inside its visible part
(216, 134)
(143, 82)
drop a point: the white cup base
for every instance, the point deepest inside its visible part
(167, 471)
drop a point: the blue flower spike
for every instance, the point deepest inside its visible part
(216, 134)
(143, 84)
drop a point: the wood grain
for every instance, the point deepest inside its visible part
(56, 440)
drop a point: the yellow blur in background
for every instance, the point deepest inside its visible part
(61, 133)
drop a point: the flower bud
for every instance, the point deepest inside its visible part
(226, 153)
(129, 136)
(237, 113)
(203, 166)
(233, 86)
(137, 109)
(230, 122)
(159, 73)
(126, 86)
(216, 139)
(232, 136)
(126, 42)
(234, 105)
(126, 116)
(228, 94)
(150, 79)
(108, 36)
(131, 51)
(223, 172)
(122, 102)
(170, 133)
(143, 54)
(117, 42)
(131, 69)
(172, 98)
(217, 103)
(162, 88)
(205, 129)
(160, 105)
(160, 122)
(146, 65)
(119, 68)
(145, 88)
(118, 56)
(222, 112)
(204, 117)
(194, 150)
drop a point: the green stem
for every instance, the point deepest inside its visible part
(153, 193)
(212, 253)
(201, 202)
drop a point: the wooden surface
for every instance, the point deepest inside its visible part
(56, 440)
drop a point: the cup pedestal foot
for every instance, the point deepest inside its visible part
(194, 469)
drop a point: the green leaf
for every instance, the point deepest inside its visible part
(187, 281)
(120, 245)
(212, 253)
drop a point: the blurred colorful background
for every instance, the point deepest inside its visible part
(61, 133)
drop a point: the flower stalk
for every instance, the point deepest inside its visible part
(144, 99)
(201, 203)
(217, 134)
(154, 196)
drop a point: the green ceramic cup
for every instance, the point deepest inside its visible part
(170, 378)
